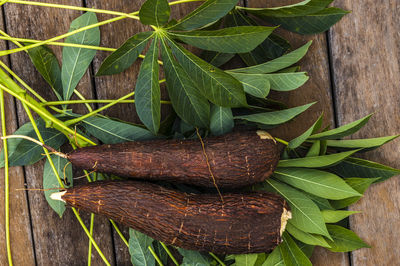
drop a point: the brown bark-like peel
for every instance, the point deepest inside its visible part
(236, 159)
(250, 222)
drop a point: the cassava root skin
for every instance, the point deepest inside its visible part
(236, 159)
(249, 222)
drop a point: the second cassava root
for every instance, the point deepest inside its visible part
(235, 160)
(249, 222)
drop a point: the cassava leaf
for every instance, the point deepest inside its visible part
(305, 214)
(147, 91)
(276, 117)
(240, 39)
(110, 131)
(246, 259)
(320, 183)
(51, 184)
(194, 258)
(331, 216)
(161, 253)
(295, 143)
(209, 12)
(219, 87)
(311, 239)
(139, 248)
(287, 81)
(25, 152)
(215, 58)
(315, 149)
(322, 203)
(344, 240)
(317, 161)
(125, 55)
(276, 64)
(221, 121)
(342, 131)
(358, 184)
(274, 258)
(292, 255)
(75, 60)
(254, 84)
(360, 143)
(155, 12)
(46, 63)
(187, 100)
(355, 167)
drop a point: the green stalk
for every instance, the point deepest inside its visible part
(155, 256)
(80, 96)
(6, 179)
(169, 253)
(119, 233)
(91, 101)
(217, 259)
(284, 142)
(90, 242)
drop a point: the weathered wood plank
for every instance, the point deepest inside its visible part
(317, 88)
(20, 229)
(57, 241)
(366, 56)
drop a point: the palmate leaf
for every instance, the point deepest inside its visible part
(194, 258)
(110, 131)
(331, 216)
(221, 121)
(317, 161)
(75, 61)
(187, 100)
(25, 152)
(147, 91)
(311, 239)
(344, 240)
(46, 63)
(51, 184)
(276, 117)
(139, 249)
(155, 12)
(209, 12)
(295, 143)
(316, 182)
(254, 84)
(228, 40)
(292, 255)
(219, 87)
(276, 64)
(305, 213)
(125, 55)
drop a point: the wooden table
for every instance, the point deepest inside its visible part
(354, 71)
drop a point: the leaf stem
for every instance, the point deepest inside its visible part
(284, 142)
(6, 179)
(119, 233)
(217, 259)
(91, 101)
(90, 242)
(169, 253)
(80, 96)
(155, 256)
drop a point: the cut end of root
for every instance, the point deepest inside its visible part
(286, 215)
(58, 196)
(265, 135)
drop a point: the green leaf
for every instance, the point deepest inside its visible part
(209, 12)
(360, 185)
(246, 259)
(139, 249)
(322, 203)
(240, 39)
(194, 258)
(291, 253)
(274, 259)
(320, 183)
(343, 130)
(317, 161)
(125, 55)
(276, 117)
(110, 131)
(147, 91)
(276, 64)
(315, 149)
(287, 81)
(305, 214)
(344, 240)
(311, 239)
(155, 12)
(221, 121)
(215, 58)
(360, 143)
(294, 143)
(24, 152)
(162, 254)
(355, 167)
(75, 61)
(46, 63)
(331, 216)
(307, 249)
(51, 184)
(219, 87)
(187, 100)
(257, 85)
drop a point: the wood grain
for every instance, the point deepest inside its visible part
(56, 241)
(365, 57)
